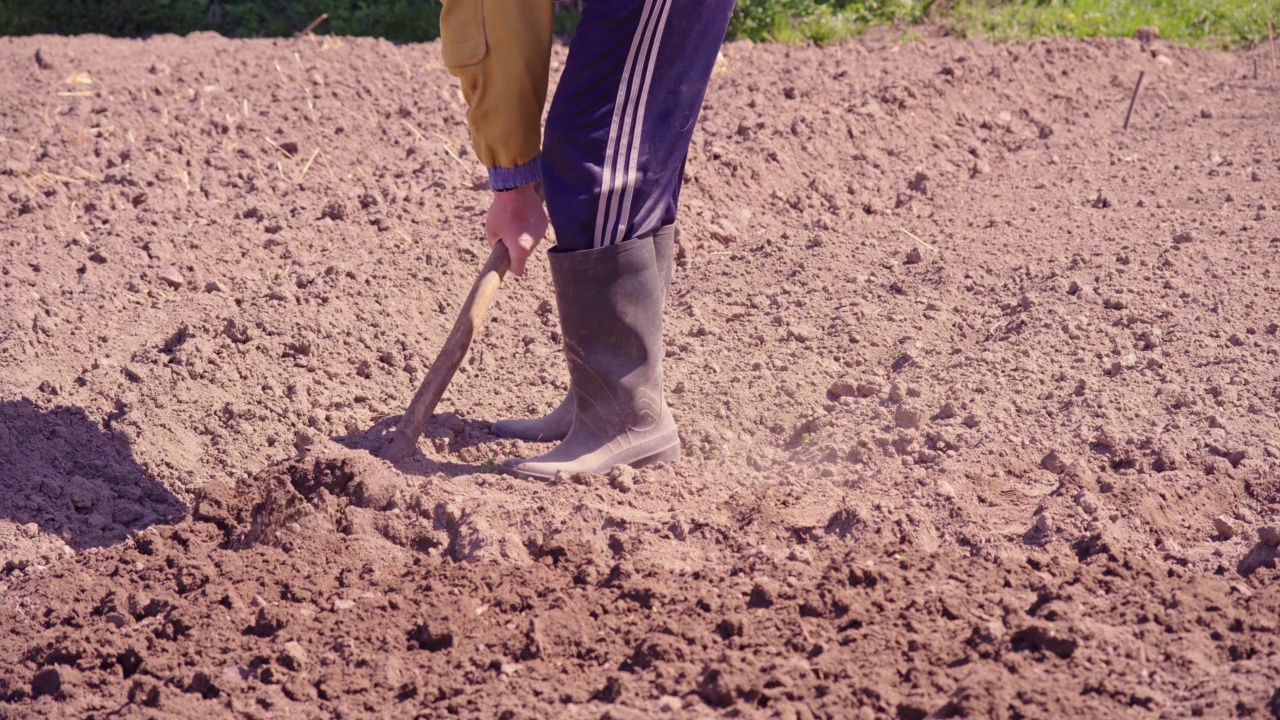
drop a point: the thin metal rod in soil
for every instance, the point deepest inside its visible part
(1134, 98)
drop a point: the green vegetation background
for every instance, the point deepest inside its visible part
(1215, 23)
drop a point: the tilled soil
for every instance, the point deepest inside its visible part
(978, 395)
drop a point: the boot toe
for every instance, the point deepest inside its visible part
(529, 469)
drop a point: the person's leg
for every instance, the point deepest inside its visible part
(613, 158)
(620, 123)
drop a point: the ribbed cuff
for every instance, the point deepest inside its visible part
(504, 178)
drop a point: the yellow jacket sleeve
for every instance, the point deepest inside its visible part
(501, 50)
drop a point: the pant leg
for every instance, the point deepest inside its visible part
(619, 126)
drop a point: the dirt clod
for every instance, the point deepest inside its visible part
(173, 278)
(1225, 526)
(907, 417)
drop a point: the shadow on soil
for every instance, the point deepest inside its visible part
(62, 471)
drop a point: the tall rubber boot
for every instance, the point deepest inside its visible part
(554, 425)
(610, 303)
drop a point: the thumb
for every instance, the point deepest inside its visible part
(518, 257)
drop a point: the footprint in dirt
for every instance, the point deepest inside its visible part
(64, 473)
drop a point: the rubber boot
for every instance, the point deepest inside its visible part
(610, 303)
(553, 426)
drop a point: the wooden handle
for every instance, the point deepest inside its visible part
(405, 437)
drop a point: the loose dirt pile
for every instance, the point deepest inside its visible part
(978, 395)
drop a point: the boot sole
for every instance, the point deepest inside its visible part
(661, 449)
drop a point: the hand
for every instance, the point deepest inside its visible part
(518, 220)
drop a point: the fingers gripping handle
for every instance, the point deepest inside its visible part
(405, 437)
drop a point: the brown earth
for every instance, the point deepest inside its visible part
(978, 395)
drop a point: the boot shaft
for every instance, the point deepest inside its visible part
(610, 302)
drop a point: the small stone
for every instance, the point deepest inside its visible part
(802, 333)
(233, 676)
(301, 439)
(293, 656)
(670, 704)
(1225, 526)
(1235, 340)
(1182, 238)
(82, 493)
(914, 256)
(622, 478)
(1044, 523)
(945, 489)
(1081, 473)
(764, 593)
(1054, 463)
(258, 602)
(800, 555)
(906, 417)
(897, 393)
(237, 332)
(723, 232)
(1087, 502)
(1206, 113)
(341, 604)
(173, 278)
(971, 421)
(213, 286)
(868, 388)
(1269, 535)
(843, 387)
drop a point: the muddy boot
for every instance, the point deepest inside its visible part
(554, 425)
(610, 303)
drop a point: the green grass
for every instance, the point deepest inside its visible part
(1210, 23)
(820, 21)
(401, 20)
